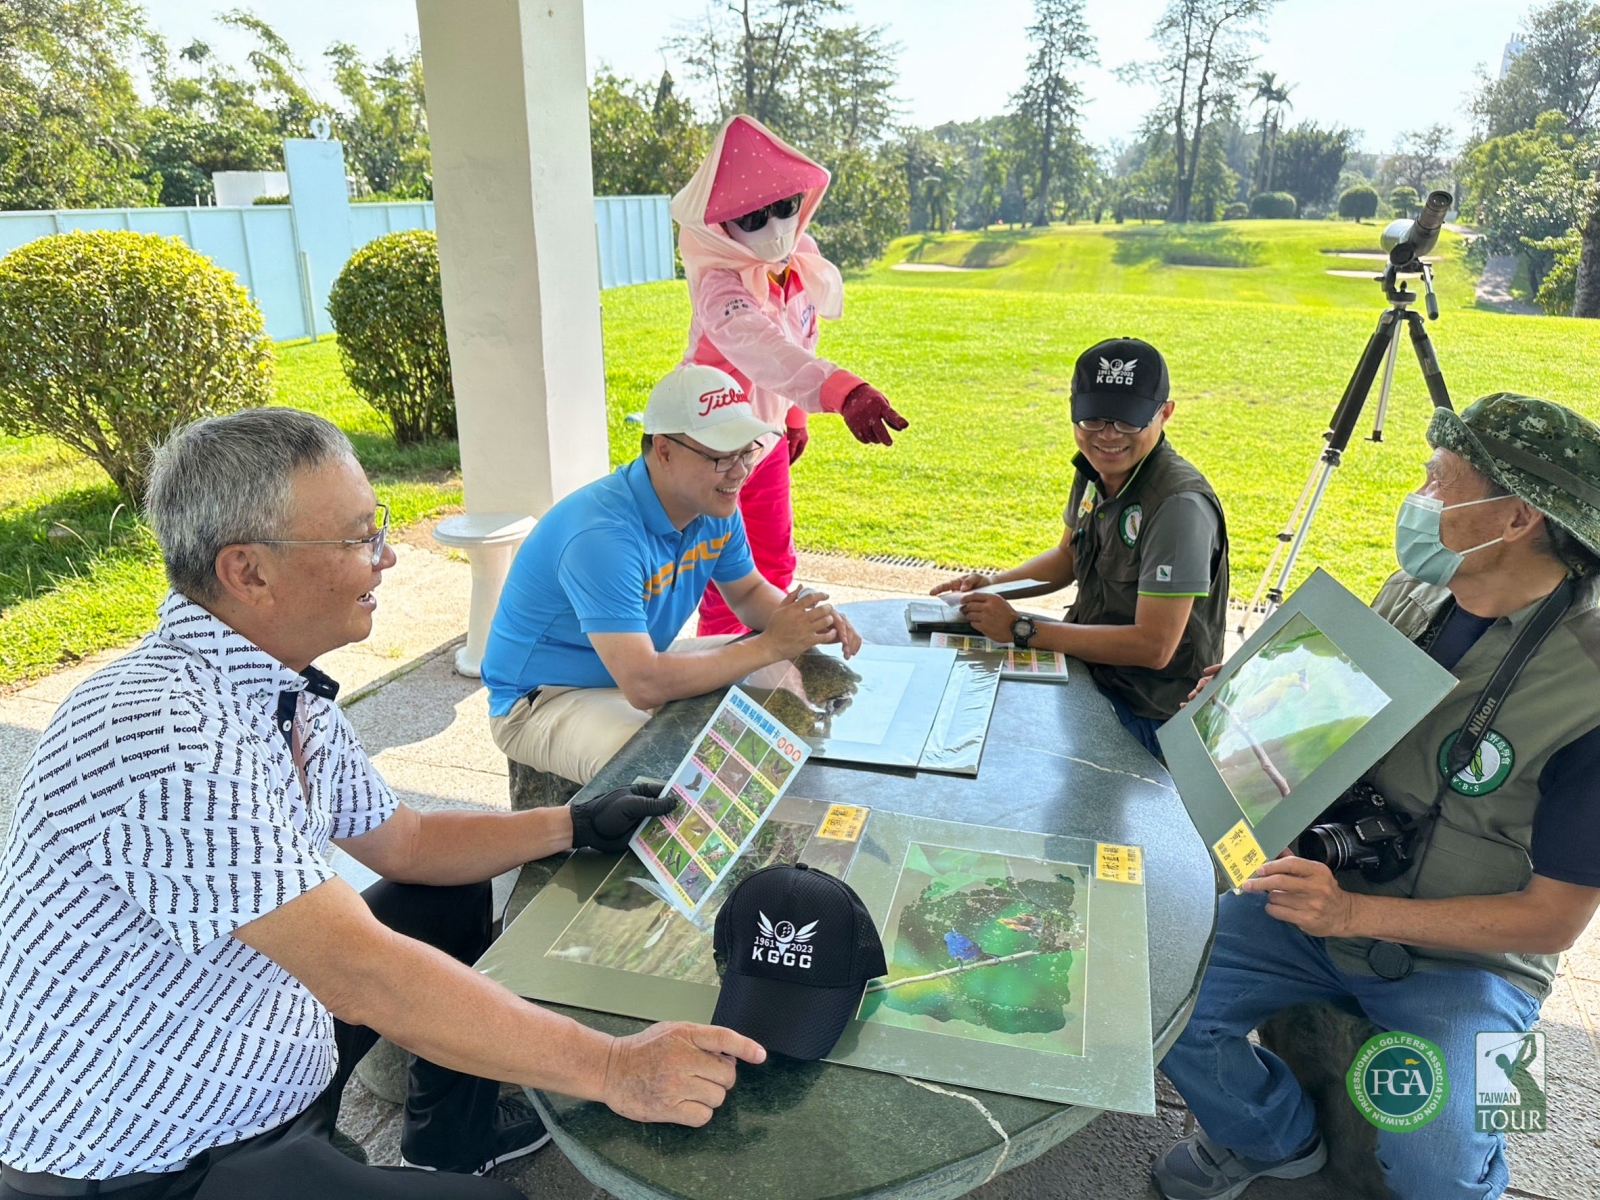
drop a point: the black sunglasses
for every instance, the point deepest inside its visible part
(782, 209)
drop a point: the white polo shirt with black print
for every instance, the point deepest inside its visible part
(160, 812)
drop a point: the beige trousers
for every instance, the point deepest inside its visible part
(573, 732)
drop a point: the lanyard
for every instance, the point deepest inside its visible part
(1476, 726)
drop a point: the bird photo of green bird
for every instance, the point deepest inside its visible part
(1283, 713)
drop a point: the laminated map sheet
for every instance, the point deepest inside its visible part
(878, 706)
(1018, 962)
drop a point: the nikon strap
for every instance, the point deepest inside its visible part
(1532, 636)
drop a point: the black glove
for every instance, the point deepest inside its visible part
(607, 822)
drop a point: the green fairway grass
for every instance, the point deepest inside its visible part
(981, 367)
(981, 476)
(1274, 262)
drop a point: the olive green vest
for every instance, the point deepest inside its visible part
(1480, 843)
(1106, 561)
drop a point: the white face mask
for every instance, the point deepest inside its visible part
(773, 242)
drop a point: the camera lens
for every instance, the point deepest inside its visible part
(1333, 845)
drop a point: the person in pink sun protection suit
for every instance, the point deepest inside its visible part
(758, 283)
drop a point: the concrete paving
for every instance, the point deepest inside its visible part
(427, 730)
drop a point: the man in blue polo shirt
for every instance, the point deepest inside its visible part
(582, 647)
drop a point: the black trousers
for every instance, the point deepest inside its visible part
(448, 1115)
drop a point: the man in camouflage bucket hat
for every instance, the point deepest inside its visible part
(1505, 861)
(1539, 452)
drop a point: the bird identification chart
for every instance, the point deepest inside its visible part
(1039, 666)
(726, 788)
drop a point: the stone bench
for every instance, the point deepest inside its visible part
(538, 789)
(1319, 1042)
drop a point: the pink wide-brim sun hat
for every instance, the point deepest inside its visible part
(754, 171)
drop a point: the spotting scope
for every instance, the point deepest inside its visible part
(1407, 240)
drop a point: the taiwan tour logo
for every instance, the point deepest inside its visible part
(1398, 1081)
(1489, 768)
(1132, 522)
(1117, 371)
(1510, 1083)
(782, 944)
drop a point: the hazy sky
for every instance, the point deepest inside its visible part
(962, 58)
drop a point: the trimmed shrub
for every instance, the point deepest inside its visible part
(1404, 201)
(109, 339)
(279, 199)
(389, 313)
(1359, 203)
(1237, 211)
(1276, 206)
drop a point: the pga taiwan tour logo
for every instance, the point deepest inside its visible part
(782, 944)
(1398, 1081)
(1116, 370)
(1509, 1079)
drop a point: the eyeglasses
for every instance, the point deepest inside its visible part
(782, 209)
(1097, 424)
(377, 541)
(723, 463)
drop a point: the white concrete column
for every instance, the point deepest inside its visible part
(508, 118)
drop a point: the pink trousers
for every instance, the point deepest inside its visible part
(769, 524)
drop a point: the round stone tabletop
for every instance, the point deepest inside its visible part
(1056, 761)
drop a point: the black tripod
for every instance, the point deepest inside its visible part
(1382, 349)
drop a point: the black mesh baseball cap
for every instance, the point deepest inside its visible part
(795, 948)
(1122, 379)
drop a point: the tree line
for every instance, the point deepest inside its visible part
(75, 132)
(1530, 170)
(1223, 139)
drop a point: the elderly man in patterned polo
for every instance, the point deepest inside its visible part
(1500, 564)
(185, 984)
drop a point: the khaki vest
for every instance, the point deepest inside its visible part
(1480, 843)
(1106, 558)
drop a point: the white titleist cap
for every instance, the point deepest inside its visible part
(708, 405)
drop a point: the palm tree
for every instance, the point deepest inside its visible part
(1280, 99)
(1273, 96)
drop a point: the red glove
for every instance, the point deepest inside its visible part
(866, 411)
(797, 437)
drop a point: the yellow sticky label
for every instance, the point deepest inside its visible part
(1119, 864)
(1239, 853)
(843, 823)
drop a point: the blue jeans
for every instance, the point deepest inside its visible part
(1246, 1098)
(1142, 728)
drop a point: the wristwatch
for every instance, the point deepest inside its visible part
(1022, 631)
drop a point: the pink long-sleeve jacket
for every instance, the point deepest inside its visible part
(771, 353)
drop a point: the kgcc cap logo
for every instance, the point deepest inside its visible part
(1398, 1081)
(783, 945)
(1116, 371)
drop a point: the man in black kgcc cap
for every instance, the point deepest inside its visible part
(795, 948)
(1145, 540)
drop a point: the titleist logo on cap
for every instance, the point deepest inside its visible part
(721, 398)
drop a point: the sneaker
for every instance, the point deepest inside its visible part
(1199, 1169)
(518, 1132)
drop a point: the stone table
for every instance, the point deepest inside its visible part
(1056, 761)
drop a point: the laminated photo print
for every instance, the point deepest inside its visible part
(1315, 697)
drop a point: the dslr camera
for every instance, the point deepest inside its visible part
(1361, 832)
